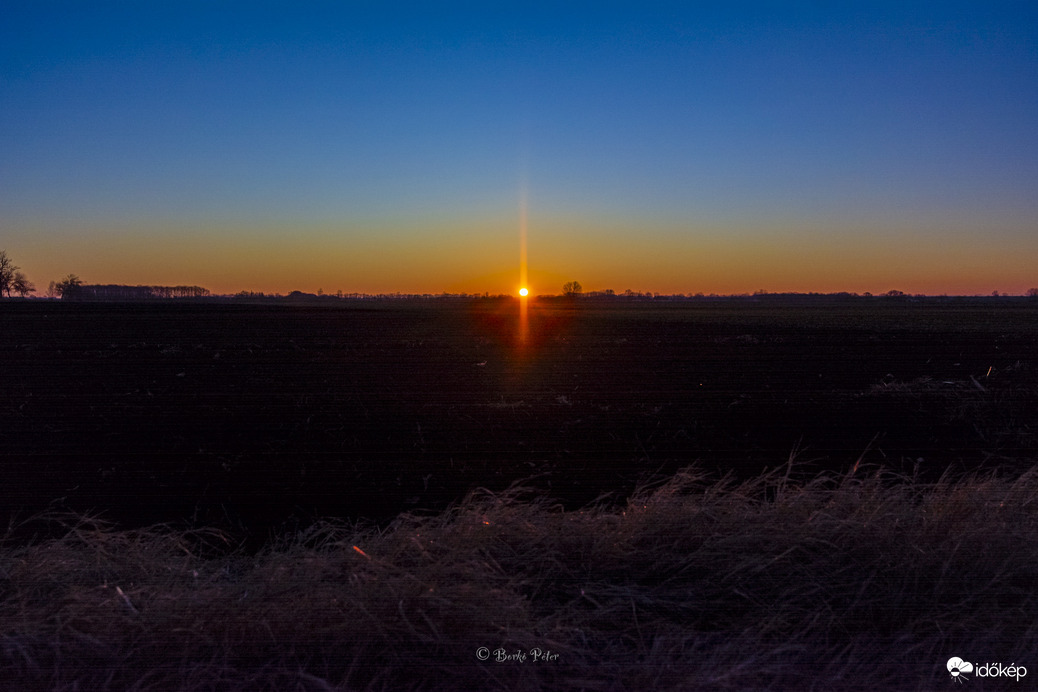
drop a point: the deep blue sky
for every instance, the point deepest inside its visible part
(661, 146)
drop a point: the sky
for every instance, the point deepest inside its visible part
(671, 147)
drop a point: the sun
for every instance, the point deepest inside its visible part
(523, 292)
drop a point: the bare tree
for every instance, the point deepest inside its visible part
(21, 285)
(572, 288)
(7, 273)
(66, 288)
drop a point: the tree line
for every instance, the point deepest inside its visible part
(117, 292)
(13, 281)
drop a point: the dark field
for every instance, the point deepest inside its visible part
(247, 416)
(900, 536)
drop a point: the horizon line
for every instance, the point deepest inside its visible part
(152, 292)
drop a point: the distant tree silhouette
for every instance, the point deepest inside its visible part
(68, 286)
(7, 273)
(1032, 292)
(21, 285)
(572, 288)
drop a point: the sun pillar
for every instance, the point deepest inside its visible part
(524, 318)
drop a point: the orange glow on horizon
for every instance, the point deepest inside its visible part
(476, 257)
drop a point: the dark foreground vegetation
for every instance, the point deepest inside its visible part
(206, 496)
(859, 581)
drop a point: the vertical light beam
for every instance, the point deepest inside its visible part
(524, 318)
(522, 236)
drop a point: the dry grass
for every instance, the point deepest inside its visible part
(861, 581)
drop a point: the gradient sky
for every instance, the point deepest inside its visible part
(672, 147)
